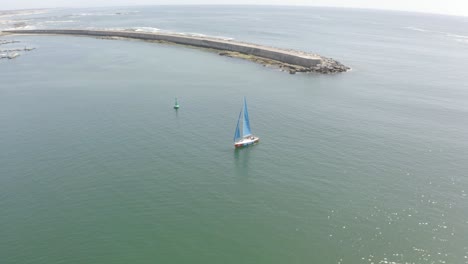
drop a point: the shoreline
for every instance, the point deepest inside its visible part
(289, 60)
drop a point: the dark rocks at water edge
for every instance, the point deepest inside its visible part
(327, 65)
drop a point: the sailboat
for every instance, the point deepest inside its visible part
(245, 138)
(176, 104)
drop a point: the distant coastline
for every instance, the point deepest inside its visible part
(8, 13)
(288, 60)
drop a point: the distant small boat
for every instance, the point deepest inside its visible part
(176, 104)
(246, 138)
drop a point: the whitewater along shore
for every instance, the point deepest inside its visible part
(288, 60)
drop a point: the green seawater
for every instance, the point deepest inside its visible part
(361, 167)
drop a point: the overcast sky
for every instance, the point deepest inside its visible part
(451, 7)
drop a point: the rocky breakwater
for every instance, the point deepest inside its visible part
(326, 65)
(287, 60)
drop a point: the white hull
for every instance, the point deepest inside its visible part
(246, 141)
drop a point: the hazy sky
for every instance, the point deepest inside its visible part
(452, 7)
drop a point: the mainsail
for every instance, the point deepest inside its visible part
(246, 124)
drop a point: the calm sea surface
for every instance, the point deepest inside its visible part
(369, 166)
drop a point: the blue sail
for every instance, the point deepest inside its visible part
(246, 124)
(237, 134)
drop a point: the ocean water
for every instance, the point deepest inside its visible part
(368, 166)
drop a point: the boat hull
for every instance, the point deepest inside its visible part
(247, 141)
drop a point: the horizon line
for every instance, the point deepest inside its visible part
(238, 5)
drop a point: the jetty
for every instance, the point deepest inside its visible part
(288, 60)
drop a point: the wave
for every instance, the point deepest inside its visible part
(126, 12)
(223, 38)
(14, 22)
(92, 14)
(117, 13)
(196, 35)
(459, 38)
(146, 29)
(5, 22)
(22, 27)
(79, 15)
(59, 21)
(417, 29)
(456, 36)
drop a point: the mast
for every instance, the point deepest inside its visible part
(246, 123)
